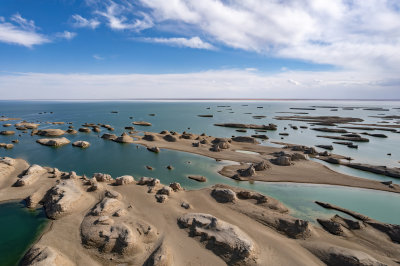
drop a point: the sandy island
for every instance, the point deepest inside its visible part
(298, 170)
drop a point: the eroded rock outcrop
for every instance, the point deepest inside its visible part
(40, 255)
(124, 138)
(55, 142)
(109, 136)
(336, 255)
(198, 178)
(61, 199)
(224, 239)
(124, 180)
(149, 181)
(25, 125)
(160, 257)
(109, 229)
(81, 144)
(31, 175)
(223, 195)
(100, 177)
(142, 123)
(50, 132)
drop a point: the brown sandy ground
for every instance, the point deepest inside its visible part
(128, 226)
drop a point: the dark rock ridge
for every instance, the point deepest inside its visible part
(333, 130)
(321, 120)
(377, 169)
(347, 138)
(392, 230)
(326, 147)
(248, 126)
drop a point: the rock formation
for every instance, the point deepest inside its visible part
(224, 239)
(55, 142)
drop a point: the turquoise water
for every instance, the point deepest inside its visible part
(119, 159)
(19, 227)
(300, 199)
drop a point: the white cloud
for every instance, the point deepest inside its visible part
(208, 84)
(66, 35)
(115, 14)
(194, 42)
(81, 22)
(23, 23)
(23, 32)
(98, 57)
(350, 34)
(294, 82)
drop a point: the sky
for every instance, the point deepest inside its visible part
(131, 49)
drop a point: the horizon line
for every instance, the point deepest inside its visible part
(203, 99)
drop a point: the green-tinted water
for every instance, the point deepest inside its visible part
(19, 227)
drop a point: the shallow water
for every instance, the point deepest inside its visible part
(19, 228)
(120, 159)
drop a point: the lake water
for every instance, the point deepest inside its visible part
(19, 228)
(120, 159)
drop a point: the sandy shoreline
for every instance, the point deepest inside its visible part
(303, 171)
(261, 223)
(108, 221)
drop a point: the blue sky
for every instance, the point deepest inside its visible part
(266, 49)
